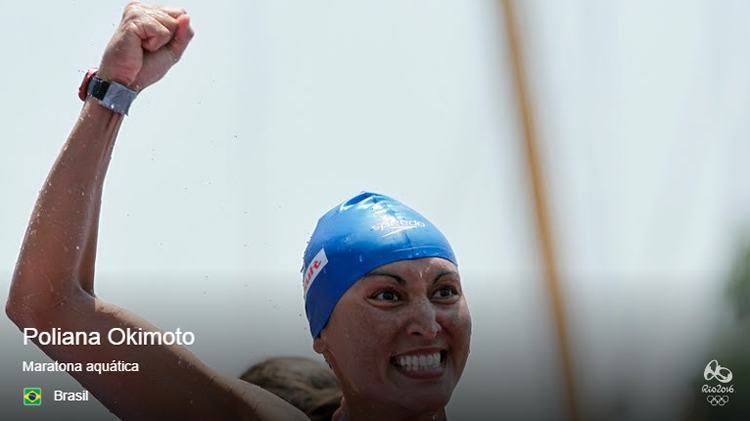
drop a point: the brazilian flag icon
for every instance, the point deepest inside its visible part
(32, 396)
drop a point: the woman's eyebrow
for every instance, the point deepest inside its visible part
(444, 273)
(402, 281)
(397, 278)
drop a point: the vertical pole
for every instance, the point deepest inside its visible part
(544, 231)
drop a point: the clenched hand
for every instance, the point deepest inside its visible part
(148, 42)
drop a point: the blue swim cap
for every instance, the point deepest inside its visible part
(363, 233)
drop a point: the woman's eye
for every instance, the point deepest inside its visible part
(445, 293)
(386, 296)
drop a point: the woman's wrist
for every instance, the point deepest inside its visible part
(103, 74)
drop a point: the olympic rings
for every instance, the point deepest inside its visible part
(720, 400)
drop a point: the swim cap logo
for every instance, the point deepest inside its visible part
(397, 225)
(313, 269)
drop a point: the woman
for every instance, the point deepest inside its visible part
(382, 291)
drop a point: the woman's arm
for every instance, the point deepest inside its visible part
(53, 284)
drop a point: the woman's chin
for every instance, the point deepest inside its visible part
(422, 390)
(422, 400)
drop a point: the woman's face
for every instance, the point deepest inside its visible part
(400, 335)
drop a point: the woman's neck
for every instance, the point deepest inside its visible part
(368, 412)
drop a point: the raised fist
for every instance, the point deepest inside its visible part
(148, 42)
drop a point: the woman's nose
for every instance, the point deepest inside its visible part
(423, 320)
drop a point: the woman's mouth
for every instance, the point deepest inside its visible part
(421, 364)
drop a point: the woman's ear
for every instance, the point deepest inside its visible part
(319, 345)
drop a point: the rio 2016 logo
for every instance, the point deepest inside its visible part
(717, 395)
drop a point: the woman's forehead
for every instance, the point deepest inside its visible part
(427, 267)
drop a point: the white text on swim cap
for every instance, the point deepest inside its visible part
(313, 269)
(397, 225)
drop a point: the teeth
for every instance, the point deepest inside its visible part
(419, 362)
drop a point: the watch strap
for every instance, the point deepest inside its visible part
(83, 89)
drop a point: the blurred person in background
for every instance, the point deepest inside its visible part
(303, 382)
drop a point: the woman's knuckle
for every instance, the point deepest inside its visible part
(132, 11)
(131, 6)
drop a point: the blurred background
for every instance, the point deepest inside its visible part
(281, 109)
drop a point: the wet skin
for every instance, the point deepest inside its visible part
(382, 325)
